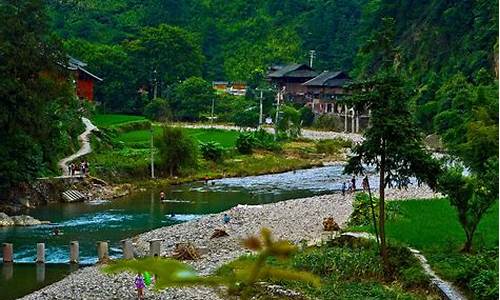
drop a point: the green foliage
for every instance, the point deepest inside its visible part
(471, 196)
(332, 146)
(247, 118)
(131, 126)
(239, 278)
(159, 48)
(476, 273)
(168, 272)
(245, 142)
(264, 140)
(106, 120)
(289, 123)
(361, 215)
(346, 261)
(306, 116)
(432, 227)
(329, 122)
(158, 110)
(192, 98)
(260, 139)
(39, 117)
(176, 149)
(212, 151)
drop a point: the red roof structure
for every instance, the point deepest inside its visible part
(84, 79)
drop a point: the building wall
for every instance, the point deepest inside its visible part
(85, 89)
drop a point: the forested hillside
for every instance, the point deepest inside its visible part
(238, 39)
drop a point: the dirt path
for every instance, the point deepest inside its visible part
(84, 149)
(306, 133)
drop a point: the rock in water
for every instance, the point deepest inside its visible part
(5, 220)
(24, 220)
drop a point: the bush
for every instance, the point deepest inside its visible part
(131, 126)
(265, 140)
(289, 123)
(329, 122)
(158, 110)
(332, 146)
(306, 116)
(212, 151)
(177, 150)
(245, 143)
(246, 118)
(362, 216)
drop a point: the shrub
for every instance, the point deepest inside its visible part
(485, 285)
(329, 122)
(332, 146)
(131, 126)
(265, 140)
(306, 116)
(245, 143)
(158, 110)
(247, 118)
(212, 151)
(289, 123)
(361, 215)
(177, 150)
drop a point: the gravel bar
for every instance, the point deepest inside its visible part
(295, 220)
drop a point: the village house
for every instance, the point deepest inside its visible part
(289, 79)
(84, 80)
(322, 92)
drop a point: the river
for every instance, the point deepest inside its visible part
(104, 220)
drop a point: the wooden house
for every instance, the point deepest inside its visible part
(84, 80)
(291, 77)
(324, 90)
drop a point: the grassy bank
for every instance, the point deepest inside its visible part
(122, 154)
(350, 269)
(432, 227)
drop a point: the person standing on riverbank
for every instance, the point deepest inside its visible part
(353, 183)
(139, 286)
(344, 188)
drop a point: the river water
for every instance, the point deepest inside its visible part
(104, 220)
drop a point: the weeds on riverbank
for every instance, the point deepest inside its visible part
(350, 268)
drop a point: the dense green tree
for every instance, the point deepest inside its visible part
(158, 110)
(289, 122)
(192, 98)
(392, 143)
(173, 52)
(177, 150)
(38, 111)
(472, 196)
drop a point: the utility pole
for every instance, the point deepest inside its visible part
(312, 55)
(260, 110)
(212, 113)
(279, 97)
(155, 80)
(152, 153)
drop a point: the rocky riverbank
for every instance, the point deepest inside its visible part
(295, 220)
(22, 220)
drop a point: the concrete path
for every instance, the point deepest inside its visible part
(306, 133)
(446, 288)
(84, 149)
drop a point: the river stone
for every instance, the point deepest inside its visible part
(25, 220)
(5, 220)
